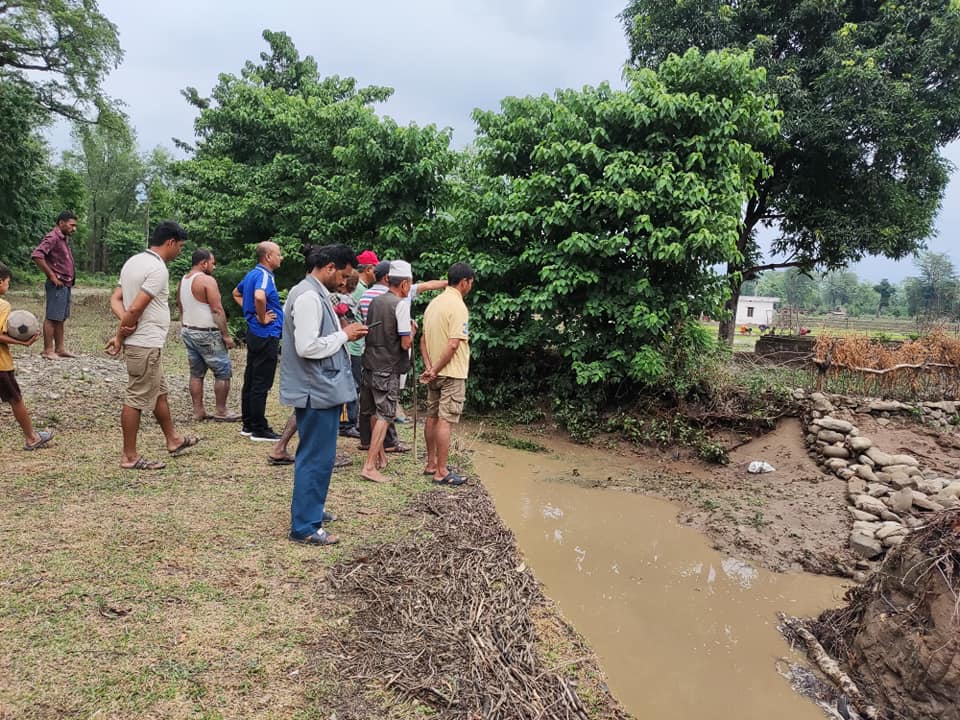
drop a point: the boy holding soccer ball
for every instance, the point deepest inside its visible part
(9, 389)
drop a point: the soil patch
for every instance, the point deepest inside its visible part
(936, 450)
(899, 635)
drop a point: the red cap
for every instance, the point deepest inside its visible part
(368, 257)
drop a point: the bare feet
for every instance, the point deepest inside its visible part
(374, 475)
(49, 355)
(65, 354)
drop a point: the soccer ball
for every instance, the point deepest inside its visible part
(22, 325)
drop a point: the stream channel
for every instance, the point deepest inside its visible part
(680, 630)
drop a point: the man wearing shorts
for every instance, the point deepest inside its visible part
(445, 348)
(205, 336)
(385, 358)
(140, 301)
(54, 257)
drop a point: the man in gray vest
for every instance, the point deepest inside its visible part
(385, 358)
(315, 379)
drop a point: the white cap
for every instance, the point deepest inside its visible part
(400, 269)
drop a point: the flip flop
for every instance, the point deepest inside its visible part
(45, 437)
(279, 461)
(188, 442)
(451, 478)
(141, 463)
(320, 537)
(329, 517)
(232, 417)
(398, 448)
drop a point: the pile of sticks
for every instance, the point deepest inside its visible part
(445, 618)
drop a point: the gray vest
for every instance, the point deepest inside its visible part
(319, 384)
(383, 352)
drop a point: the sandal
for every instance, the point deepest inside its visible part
(329, 517)
(286, 460)
(141, 463)
(398, 448)
(188, 442)
(230, 418)
(319, 537)
(451, 478)
(45, 437)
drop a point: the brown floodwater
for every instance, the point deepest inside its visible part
(681, 630)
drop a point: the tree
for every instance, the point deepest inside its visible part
(285, 154)
(598, 216)
(113, 173)
(937, 291)
(885, 290)
(59, 51)
(870, 91)
(24, 174)
(838, 289)
(793, 287)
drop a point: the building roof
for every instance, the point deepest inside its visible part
(759, 298)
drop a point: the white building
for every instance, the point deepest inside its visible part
(756, 310)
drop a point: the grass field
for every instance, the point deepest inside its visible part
(885, 328)
(172, 594)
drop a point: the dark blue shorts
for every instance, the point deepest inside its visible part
(58, 302)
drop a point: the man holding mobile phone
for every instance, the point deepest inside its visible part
(386, 357)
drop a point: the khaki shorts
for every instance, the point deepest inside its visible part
(445, 398)
(379, 394)
(145, 381)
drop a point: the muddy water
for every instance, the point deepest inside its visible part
(681, 631)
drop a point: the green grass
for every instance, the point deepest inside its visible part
(174, 594)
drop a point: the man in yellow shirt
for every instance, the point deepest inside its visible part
(445, 348)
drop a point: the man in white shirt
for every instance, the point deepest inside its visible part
(316, 380)
(140, 301)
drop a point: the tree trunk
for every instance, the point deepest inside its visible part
(728, 326)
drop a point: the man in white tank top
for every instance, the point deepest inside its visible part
(205, 335)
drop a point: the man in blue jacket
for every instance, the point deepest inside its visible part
(316, 380)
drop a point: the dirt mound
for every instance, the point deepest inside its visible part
(900, 633)
(449, 617)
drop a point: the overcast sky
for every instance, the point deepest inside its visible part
(442, 58)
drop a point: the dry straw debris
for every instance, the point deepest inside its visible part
(446, 618)
(927, 366)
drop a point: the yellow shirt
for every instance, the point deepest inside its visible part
(6, 359)
(447, 317)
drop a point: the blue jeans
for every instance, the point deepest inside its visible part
(312, 470)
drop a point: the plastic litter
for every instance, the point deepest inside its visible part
(759, 466)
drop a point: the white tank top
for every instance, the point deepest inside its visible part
(195, 313)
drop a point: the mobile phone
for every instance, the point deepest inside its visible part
(373, 325)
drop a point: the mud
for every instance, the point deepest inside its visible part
(789, 520)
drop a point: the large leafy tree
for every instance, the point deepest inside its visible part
(54, 55)
(24, 173)
(936, 292)
(285, 154)
(59, 51)
(595, 218)
(870, 91)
